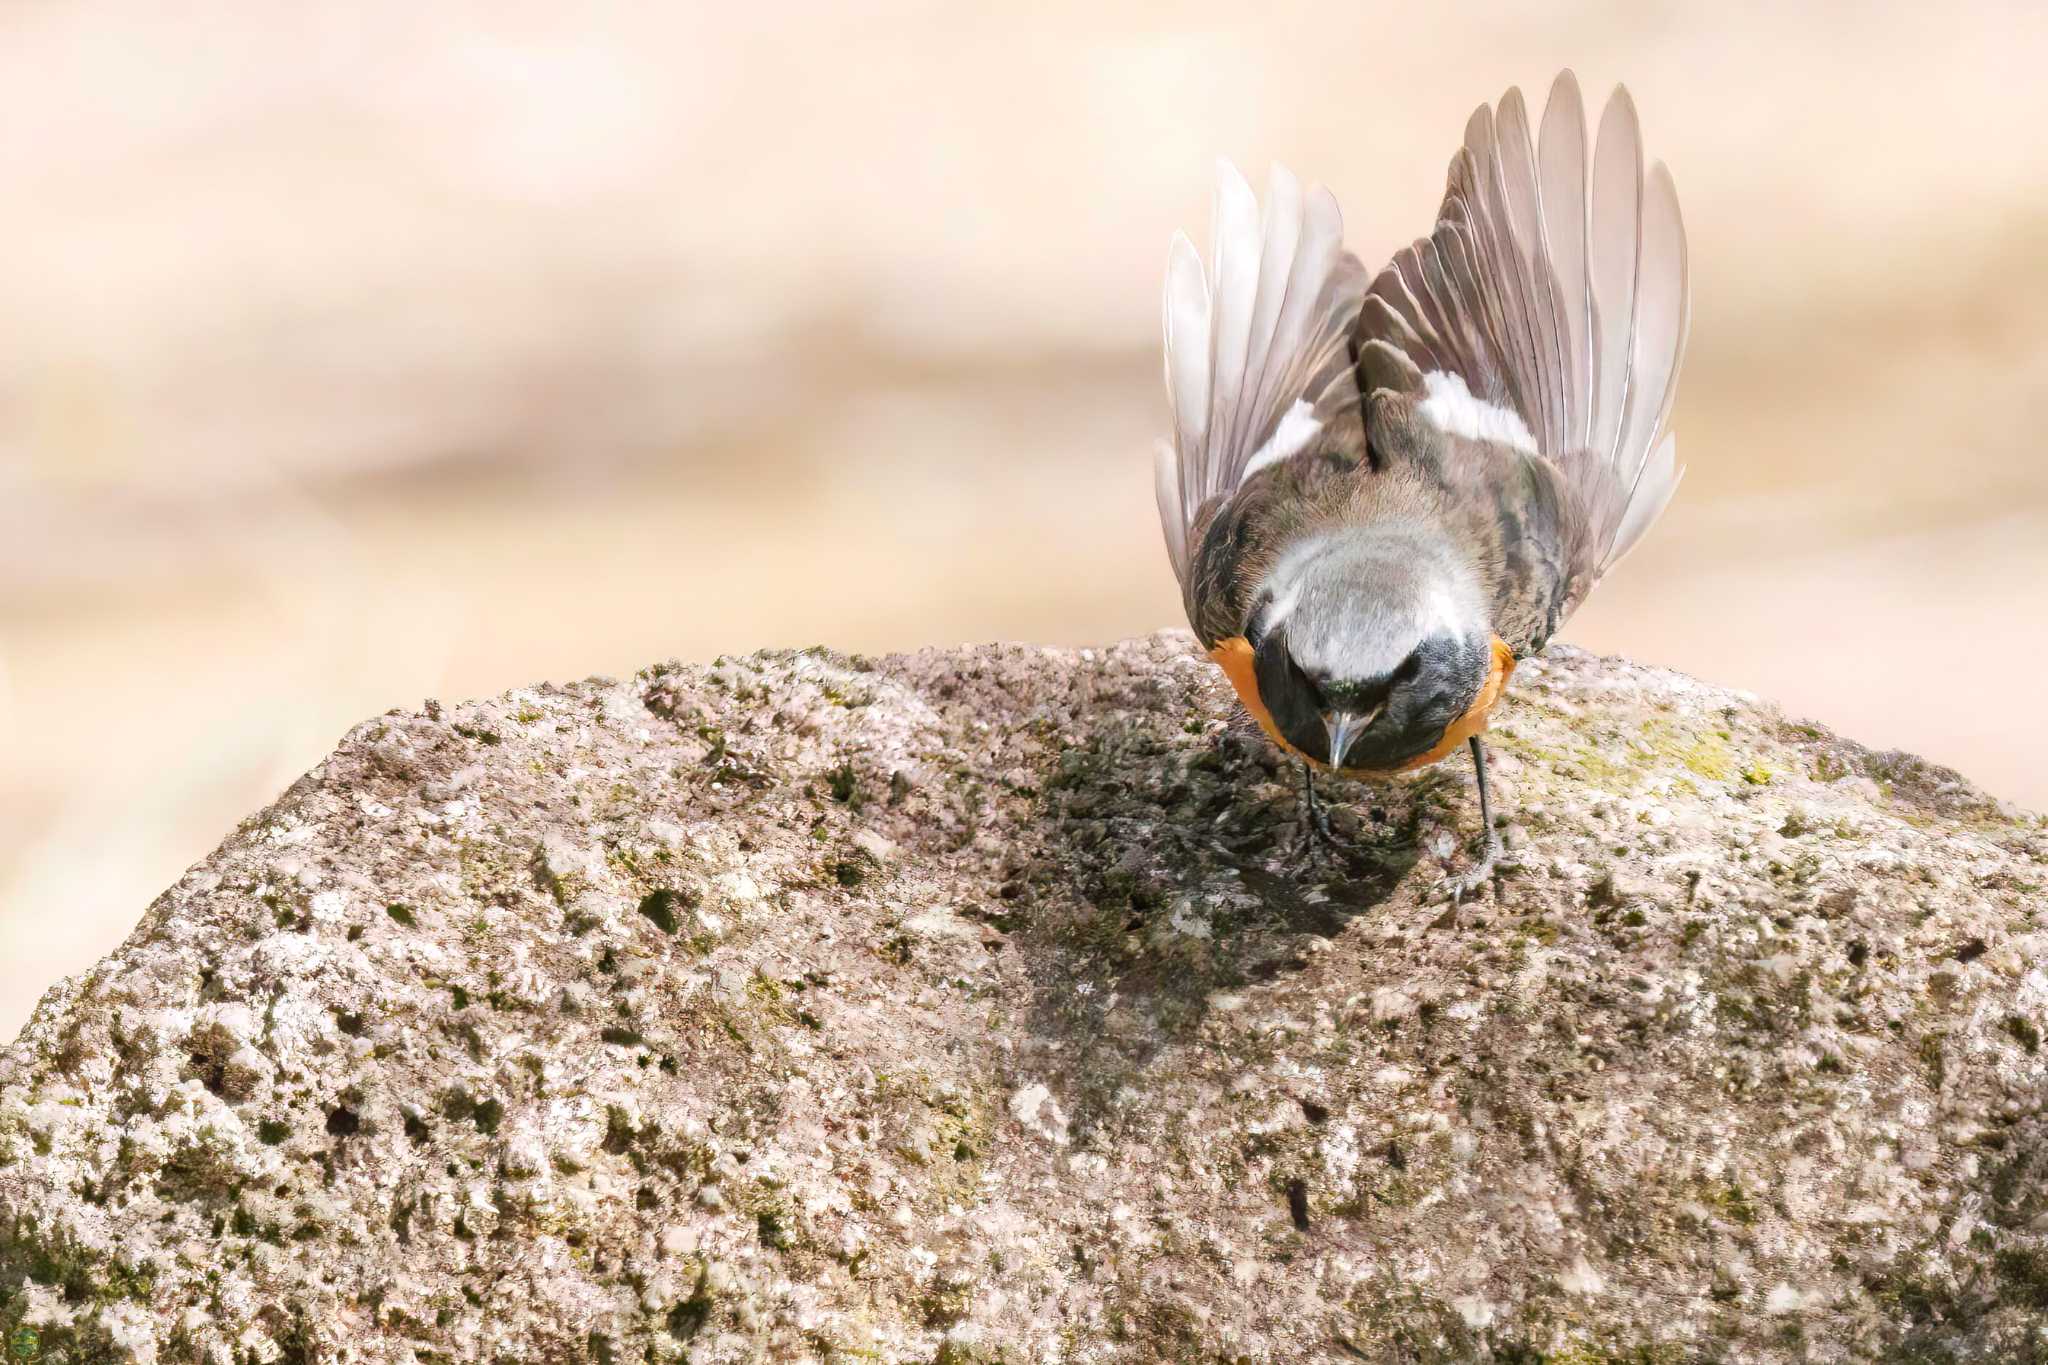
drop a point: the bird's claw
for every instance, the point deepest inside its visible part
(1315, 819)
(1315, 833)
(1457, 886)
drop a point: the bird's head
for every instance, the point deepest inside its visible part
(1367, 646)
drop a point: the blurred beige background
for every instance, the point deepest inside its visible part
(355, 355)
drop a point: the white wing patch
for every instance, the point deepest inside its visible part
(1452, 408)
(1297, 428)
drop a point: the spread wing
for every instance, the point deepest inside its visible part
(1548, 310)
(1258, 346)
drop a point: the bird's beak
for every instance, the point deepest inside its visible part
(1344, 727)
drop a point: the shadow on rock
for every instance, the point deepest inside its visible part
(1174, 870)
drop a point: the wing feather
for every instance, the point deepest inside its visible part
(1662, 314)
(1617, 239)
(1391, 294)
(1237, 247)
(1258, 348)
(1561, 163)
(1523, 196)
(1554, 286)
(1276, 264)
(1187, 339)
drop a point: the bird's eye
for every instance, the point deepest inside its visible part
(1255, 628)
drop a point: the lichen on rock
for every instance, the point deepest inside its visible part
(974, 1005)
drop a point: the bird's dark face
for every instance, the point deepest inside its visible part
(1373, 721)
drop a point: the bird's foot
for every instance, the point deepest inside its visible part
(1316, 834)
(1458, 887)
(1315, 821)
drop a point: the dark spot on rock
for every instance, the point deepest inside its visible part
(402, 913)
(660, 907)
(212, 1071)
(343, 1121)
(1859, 953)
(2026, 1270)
(488, 1115)
(1972, 950)
(687, 1318)
(270, 1132)
(1297, 1202)
(1315, 1113)
(1396, 1158)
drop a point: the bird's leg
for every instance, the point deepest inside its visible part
(1315, 821)
(1463, 886)
(1495, 853)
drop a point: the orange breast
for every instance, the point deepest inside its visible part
(1234, 657)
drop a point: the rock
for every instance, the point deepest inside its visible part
(976, 1007)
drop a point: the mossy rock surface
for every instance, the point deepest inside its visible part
(975, 1005)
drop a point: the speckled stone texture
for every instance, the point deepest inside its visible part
(975, 1006)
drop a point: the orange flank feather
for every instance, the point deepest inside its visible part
(1234, 657)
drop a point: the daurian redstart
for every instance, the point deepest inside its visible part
(1380, 495)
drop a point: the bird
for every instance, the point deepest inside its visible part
(1381, 493)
